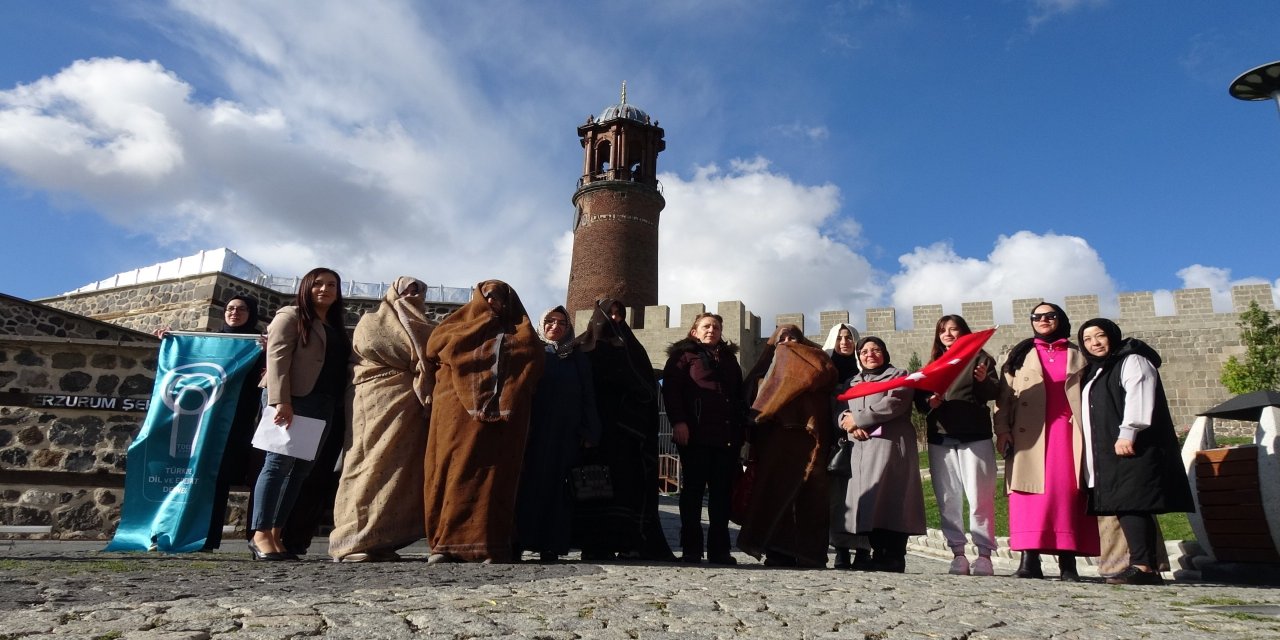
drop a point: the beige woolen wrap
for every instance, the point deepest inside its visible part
(378, 507)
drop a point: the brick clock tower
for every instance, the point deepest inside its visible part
(617, 204)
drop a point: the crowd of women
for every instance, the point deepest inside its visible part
(492, 434)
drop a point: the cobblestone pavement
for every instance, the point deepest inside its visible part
(65, 590)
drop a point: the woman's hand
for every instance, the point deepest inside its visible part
(859, 433)
(935, 401)
(1004, 442)
(846, 422)
(980, 372)
(262, 341)
(1124, 448)
(284, 414)
(680, 433)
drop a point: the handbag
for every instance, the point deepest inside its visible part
(743, 486)
(591, 482)
(841, 464)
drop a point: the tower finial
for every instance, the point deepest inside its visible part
(624, 92)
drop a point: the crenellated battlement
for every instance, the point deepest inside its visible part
(1194, 341)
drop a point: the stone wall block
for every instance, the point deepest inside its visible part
(6, 437)
(13, 457)
(40, 498)
(34, 380)
(103, 361)
(80, 461)
(74, 381)
(28, 358)
(881, 321)
(979, 315)
(828, 319)
(80, 519)
(31, 436)
(48, 459)
(25, 517)
(789, 318)
(925, 315)
(105, 497)
(106, 384)
(1081, 308)
(1242, 295)
(68, 360)
(138, 385)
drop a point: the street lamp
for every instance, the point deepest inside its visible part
(1260, 83)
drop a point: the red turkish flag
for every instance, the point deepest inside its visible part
(937, 376)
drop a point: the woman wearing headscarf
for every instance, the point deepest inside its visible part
(240, 315)
(627, 524)
(884, 499)
(308, 356)
(1038, 430)
(563, 421)
(378, 508)
(789, 393)
(1133, 462)
(490, 360)
(962, 462)
(702, 390)
(842, 346)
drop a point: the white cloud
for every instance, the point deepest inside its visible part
(1043, 11)
(1024, 265)
(353, 141)
(1219, 282)
(750, 234)
(808, 132)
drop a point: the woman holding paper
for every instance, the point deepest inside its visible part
(884, 499)
(307, 372)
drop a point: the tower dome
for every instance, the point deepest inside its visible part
(624, 111)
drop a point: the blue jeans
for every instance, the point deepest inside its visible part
(281, 478)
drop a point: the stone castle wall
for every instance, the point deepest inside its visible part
(82, 358)
(1194, 342)
(195, 303)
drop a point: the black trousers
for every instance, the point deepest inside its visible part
(1140, 534)
(707, 471)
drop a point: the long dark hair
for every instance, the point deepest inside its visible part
(938, 347)
(337, 315)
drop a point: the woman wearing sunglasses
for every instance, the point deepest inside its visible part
(1039, 432)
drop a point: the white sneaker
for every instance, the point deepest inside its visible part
(959, 566)
(982, 567)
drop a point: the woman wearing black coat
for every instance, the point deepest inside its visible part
(1133, 462)
(702, 390)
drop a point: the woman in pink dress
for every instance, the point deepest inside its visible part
(1038, 430)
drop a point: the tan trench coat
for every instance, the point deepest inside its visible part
(1020, 411)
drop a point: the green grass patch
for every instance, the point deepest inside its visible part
(1174, 526)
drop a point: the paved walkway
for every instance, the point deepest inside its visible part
(71, 590)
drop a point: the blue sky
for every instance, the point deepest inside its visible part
(838, 155)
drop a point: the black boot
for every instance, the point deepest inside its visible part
(1067, 568)
(842, 559)
(861, 560)
(1029, 567)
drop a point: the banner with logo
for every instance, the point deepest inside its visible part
(174, 460)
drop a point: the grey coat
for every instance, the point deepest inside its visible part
(885, 491)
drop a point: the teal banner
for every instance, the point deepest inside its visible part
(173, 463)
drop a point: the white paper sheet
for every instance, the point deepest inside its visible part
(300, 440)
